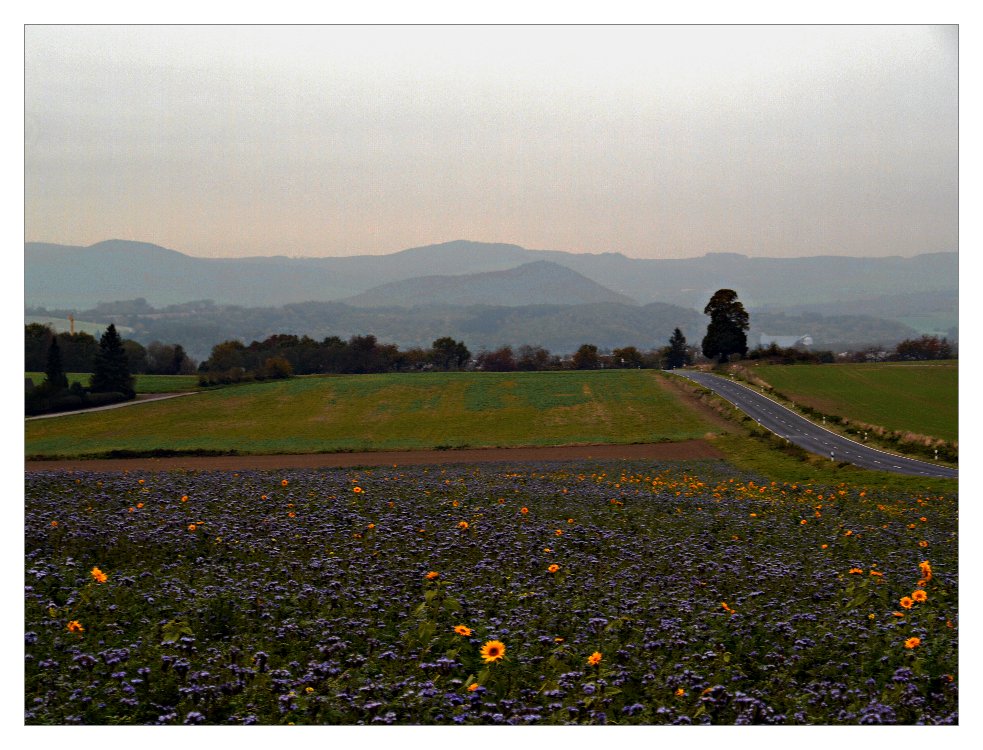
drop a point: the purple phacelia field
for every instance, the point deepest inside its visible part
(625, 593)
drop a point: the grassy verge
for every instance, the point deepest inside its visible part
(767, 457)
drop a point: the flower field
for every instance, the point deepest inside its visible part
(590, 593)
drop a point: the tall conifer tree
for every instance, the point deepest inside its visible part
(111, 369)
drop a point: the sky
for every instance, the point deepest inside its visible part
(653, 141)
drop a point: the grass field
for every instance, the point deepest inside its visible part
(918, 397)
(388, 412)
(143, 383)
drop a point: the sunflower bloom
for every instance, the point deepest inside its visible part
(492, 651)
(925, 569)
(99, 575)
(856, 571)
(923, 543)
(913, 642)
(284, 482)
(919, 595)
(462, 630)
(472, 687)
(906, 602)
(524, 510)
(553, 568)
(431, 575)
(594, 659)
(75, 627)
(463, 525)
(680, 692)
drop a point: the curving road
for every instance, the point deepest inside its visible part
(787, 424)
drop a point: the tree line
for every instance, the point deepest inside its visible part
(110, 382)
(79, 350)
(282, 355)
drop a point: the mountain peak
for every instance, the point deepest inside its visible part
(538, 282)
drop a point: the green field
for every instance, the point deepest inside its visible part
(387, 412)
(918, 397)
(142, 384)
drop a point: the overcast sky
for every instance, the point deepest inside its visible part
(654, 141)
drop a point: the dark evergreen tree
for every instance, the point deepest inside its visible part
(111, 369)
(677, 355)
(54, 373)
(729, 322)
(37, 339)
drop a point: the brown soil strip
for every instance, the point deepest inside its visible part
(681, 451)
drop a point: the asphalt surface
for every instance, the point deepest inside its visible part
(807, 435)
(142, 399)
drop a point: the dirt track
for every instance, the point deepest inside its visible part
(689, 449)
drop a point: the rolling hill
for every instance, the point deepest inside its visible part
(538, 283)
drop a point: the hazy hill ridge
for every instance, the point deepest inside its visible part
(61, 276)
(540, 282)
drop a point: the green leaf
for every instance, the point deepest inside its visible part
(426, 631)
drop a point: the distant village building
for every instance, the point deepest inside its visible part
(786, 342)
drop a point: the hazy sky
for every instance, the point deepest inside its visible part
(653, 141)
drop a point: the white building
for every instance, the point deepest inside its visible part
(786, 342)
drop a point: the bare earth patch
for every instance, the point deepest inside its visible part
(681, 451)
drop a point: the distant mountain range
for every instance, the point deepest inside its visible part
(499, 293)
(68, 276)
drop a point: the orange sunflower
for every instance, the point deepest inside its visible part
(492, 651)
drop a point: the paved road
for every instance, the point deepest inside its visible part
(142, 399)
(813, 438)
